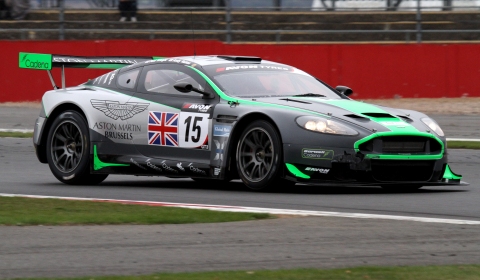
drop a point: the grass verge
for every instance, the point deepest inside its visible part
(16, 134)
(463, 145)
(447, 272)
(35, 211)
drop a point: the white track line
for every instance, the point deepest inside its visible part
(273, 211)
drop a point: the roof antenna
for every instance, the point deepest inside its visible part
(193, 34)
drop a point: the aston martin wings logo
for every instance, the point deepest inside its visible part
(115, 110)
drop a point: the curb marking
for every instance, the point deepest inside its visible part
(273, 211)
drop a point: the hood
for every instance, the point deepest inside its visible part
(369, 116)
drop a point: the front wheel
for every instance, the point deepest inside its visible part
(68, 149)
(259, 157)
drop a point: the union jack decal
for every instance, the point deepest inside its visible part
(163, 129)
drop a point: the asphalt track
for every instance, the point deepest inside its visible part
(323, 242)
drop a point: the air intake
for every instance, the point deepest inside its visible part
(379, 115)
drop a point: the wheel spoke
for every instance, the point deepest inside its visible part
(60, 137)
(58, 148)
(247, 154)
(250, 144)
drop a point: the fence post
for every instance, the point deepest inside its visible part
(228, 19)
(61, 19)
(419, 22)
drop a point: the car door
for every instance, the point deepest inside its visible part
(177, 125)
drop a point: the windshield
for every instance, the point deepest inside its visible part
(250, 81)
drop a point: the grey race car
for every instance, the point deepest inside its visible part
(219, 118)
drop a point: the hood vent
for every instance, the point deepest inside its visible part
(379, 115)
(355, 116)
(405, 118)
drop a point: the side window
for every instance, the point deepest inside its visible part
(128, 79)
(163, 80)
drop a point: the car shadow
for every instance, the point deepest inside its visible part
(238, 186)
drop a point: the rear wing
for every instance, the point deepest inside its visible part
(39, 61)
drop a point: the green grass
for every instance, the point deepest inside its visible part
(36, 211)
(448, 272)
(463, 145)
(17, 134)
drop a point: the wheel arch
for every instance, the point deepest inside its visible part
(235, 135)
(42, 148)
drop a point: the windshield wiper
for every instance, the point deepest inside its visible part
(310, 94)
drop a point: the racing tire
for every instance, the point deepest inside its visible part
(259, 157)
(401, 188)
(68, 150)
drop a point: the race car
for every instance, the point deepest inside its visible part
(217, 118)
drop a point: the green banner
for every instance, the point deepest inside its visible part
(35, 61)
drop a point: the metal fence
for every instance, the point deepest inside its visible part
(316, 5)
(229, 6)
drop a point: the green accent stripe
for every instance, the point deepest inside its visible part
(294, 170)
(357, 144)
(98, 164)
(98, 66)
(393, 123)
(448, 174)
(404, 157)
(354, 106)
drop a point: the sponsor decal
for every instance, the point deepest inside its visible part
(117, 131)
(179, 166)
(163, 129)
(35, 61)
(168, 168)
(218, 150)
(254, 67)
(115, 110)
(204, 147)
(202, 108)
(176, 60)
(196, 170)
(222, 130)
(216, 171)
(317, 154)
(137, 164)
(153, 166)
(95, 60)
(112, 76)
(315, 169)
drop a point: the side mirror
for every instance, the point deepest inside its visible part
(344, 90)
(185, 87)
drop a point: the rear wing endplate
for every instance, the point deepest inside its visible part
(39, 61)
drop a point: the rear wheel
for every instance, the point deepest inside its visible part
(259, 157)
(68, 149)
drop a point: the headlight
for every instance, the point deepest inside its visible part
(322, 125)
(433, 126)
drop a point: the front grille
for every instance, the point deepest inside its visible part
(401, 145)
(402, 170)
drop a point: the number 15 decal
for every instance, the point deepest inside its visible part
(193, 129)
